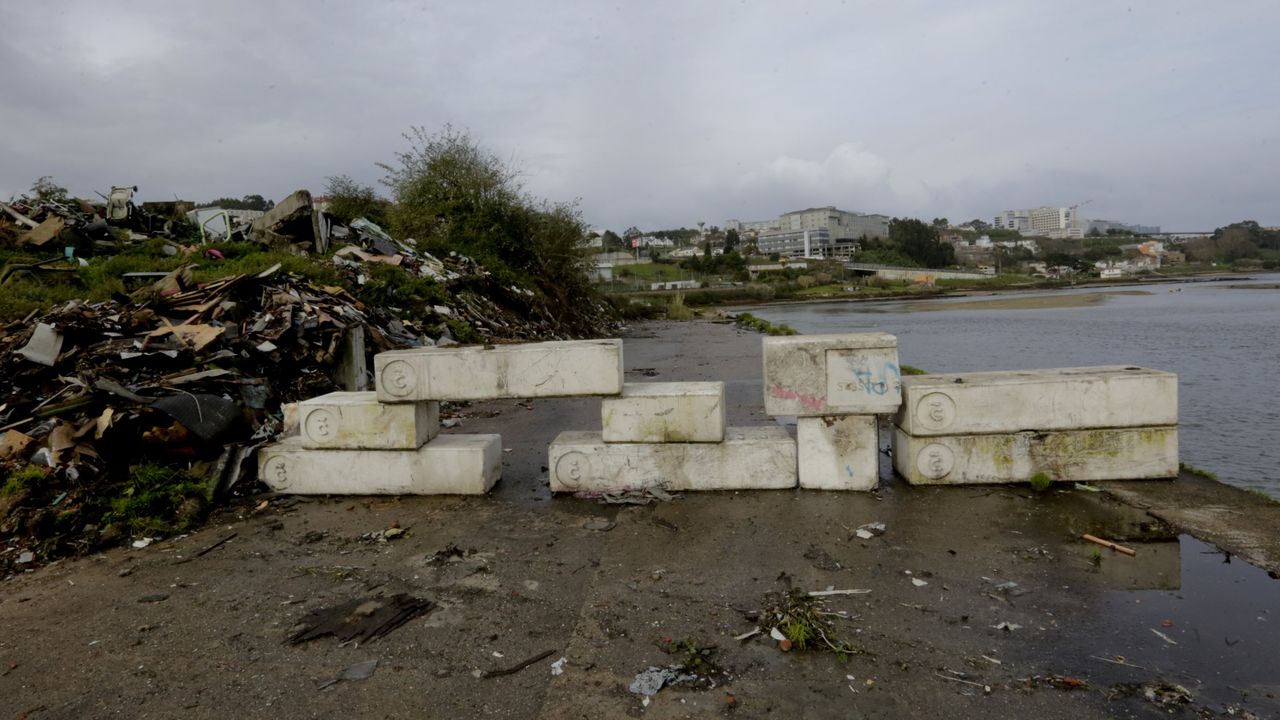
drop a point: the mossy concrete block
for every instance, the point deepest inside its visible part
(816, 375)
(838, 452)
(1054, 399)
(750, 458)
(482, 372)
(1063, 455)
(357, 421)
(448, 465)
(665, 412)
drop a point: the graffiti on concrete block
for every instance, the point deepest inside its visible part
(855, 376)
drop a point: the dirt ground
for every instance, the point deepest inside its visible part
(166, 632)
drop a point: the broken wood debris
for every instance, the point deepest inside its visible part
(362, 619)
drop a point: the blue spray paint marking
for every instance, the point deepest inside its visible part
(849, 469)
(868, 381)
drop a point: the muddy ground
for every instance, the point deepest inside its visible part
(167, 632)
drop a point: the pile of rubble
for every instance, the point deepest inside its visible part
(89, 229)
(130, 417)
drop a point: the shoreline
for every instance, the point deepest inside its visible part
(981, 292)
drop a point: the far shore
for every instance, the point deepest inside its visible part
(908, 295)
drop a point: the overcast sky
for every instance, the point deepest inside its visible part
(661, 114)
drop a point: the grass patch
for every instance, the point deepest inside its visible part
(156, 500)
(1262, 494)
(911, 370)
(1095, 557)
(1193, 470)
(21, 480)
(1041, 482)
(747, 321)
(654, 272)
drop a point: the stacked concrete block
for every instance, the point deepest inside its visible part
(533, 370)
(835, 386)
(349, 443)
(671, 436)
(1081, 424)
(387, 441)
(665, 412)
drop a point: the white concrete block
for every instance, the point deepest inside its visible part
(481, 372)
(750, 458)
(815, 375)
(665, 412)
(838, 452)
(1079, 455)
(356, 420)
(448, 465)
(1054, 399)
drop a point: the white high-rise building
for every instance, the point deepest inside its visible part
(1043, 221)
(831, 232)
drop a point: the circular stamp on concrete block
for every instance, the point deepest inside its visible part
(275, 472)
(320, 425)
(935, 411)
(935, 461)
(572, 468)
(397, 378)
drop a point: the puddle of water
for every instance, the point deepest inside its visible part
(1223, 616)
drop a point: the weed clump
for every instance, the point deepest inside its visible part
(805, 622)
(677, 310)
(747, 321)
(1041, 482)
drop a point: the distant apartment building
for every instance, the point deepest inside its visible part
(1105, 226)
(831, 232)
(1054, 222)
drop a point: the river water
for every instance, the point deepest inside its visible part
(1222, 341)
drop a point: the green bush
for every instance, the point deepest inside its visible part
(452, 195)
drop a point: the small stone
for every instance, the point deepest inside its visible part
(154, 598)
(26, 557)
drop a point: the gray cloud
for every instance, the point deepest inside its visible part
(662, 114)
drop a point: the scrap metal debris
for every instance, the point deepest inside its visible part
(360, 620)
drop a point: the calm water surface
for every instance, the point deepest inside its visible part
(1223, 343)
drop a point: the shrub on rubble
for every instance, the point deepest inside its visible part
(452, 195)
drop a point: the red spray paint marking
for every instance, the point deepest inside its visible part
(809, 401)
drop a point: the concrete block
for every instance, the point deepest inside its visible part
(548, 369)
(815, 375)
(1055, 399)
(352, 371)
(1079, 455)
(665, 412)
(356, 420)
(750, 458)
(448, 465)
(838, 452)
